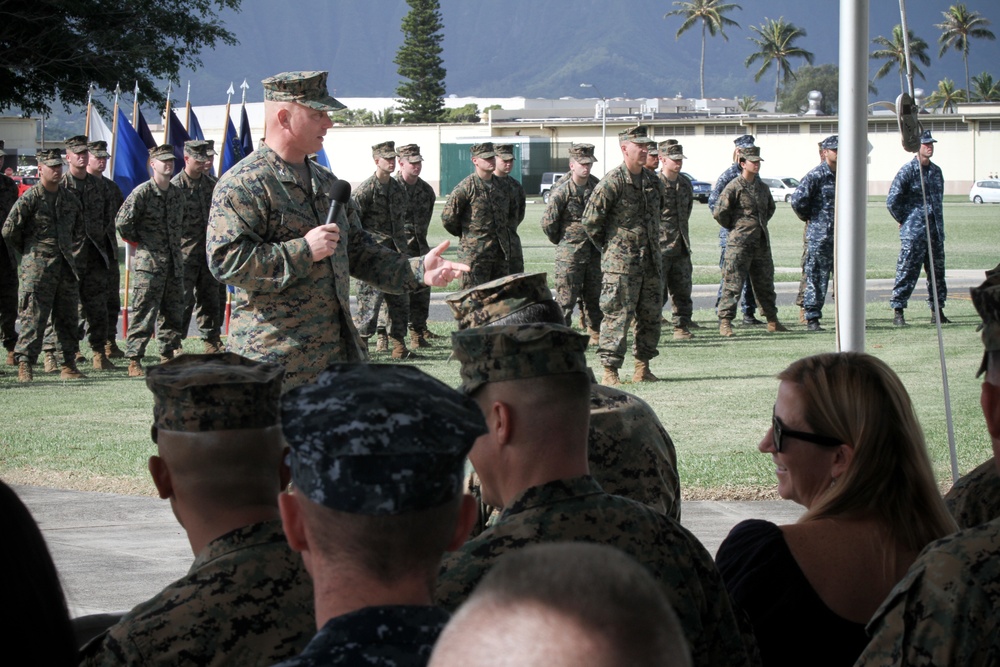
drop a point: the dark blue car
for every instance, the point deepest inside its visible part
(701, 188)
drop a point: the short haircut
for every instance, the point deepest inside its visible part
(388, 547)
(601, 590)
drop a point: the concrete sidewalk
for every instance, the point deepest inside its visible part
(115, 551)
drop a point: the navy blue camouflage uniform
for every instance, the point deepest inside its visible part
(747, 296)
(813, 201)
(905, 204)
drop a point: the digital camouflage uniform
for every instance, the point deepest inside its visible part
(975, 498)
(113, 195)
(578, 261)
(479, 213)
(201, 289)
(905, 204)
(946, 610)
(8, 269)
(744, 208)
(387, 636)
(288, 308)
(421, 198)
(622, 219)
(577, 510)
(675, 247)
(517, 195)
(746, 295)
(813, 201)
(153, 219)
(383, 211)
(46, 230)
(247, 600)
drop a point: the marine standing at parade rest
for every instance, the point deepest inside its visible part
(731, 172)
(201, 289)
(8, 271)
(905, 202)
(152, 218)
(578, 262)
(744, 209)
(220, 461)
(675, 243)
(505, 163)
(45, 227)
(267, 236)
(421, 198)
(622, 219)
(813, 201)
(384, 209)
(377, 457)
(946, 611)
(479, 211)
(96, 165)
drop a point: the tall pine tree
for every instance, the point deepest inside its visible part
(419, 61)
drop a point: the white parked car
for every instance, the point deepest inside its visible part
(781, 188)
(985, 191)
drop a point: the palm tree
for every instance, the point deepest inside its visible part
(985, 89)
(749, 103)
(776, 44)
(711, 13)
(893, 53)
(946, 96)
(959, 26)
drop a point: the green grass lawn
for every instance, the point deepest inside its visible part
(715, 399)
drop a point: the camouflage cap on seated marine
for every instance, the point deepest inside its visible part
(386, 150)
(744, 141)
(163, 153)
(203, 151)
(194, 393)
(378, 439)
(582, 153)
(409, 153)
(830, 143)
(986, 299)
(77, 144)
(306, 88)
(504, 151)
(50, 157)
(674, 150)
(478, 306)
(98, 149)
(752, 154)
(637, 135)
(517, 352)
(484, 150)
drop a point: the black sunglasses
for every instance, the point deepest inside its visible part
(779, 431)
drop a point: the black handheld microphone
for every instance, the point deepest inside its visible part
(340, 192)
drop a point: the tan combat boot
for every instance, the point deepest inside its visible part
(726, 328)
(381, 342)
(399, 350)
(610, 378)
(24, 372)
(11, 361)
(69, 371)
(642, 372)
(802, 315)
(681, 333)
(417, 339)
(135, 368)
(51, 363)
(429, 335)
(80, 359)
(595, 338)
(101, 362)
(774, 326)
(112, 351)
(213, 347)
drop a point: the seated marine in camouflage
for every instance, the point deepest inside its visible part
(377, 453)
(630, 452)
(247, 598)
(532, 383)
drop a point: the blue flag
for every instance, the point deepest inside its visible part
(176, 136)
(143, 131)
(232, 150)
(131, 157)
(322, 159)
(245, 140)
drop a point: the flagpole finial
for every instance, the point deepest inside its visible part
(244, 84)
(118, 88)
(231, 89)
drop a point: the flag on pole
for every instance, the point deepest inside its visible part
(131, 157)
(246, 141)
(176, 136)
(142, 130)
(194, 127)
(322, 159)
(232, 150)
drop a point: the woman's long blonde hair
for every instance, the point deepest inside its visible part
(858, 399)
